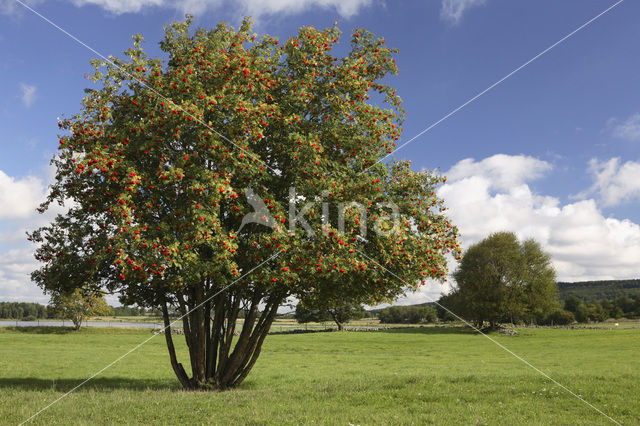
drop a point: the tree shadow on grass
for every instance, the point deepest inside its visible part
(40, 330)
(97, 384)
(431, 330)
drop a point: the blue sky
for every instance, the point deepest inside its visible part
(550, 153)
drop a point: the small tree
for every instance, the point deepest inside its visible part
(581, 313)
(502, 280)
(407, 315)
(617, 313)
(78, 305)
(339, 312)
(559, 317)
(304, 315)
(431, 315)
(596, 312)
(578, 308)
(571, 303)
(448, 304)
(344, 312)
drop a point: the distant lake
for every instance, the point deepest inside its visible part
(68, 323)
(151, 325)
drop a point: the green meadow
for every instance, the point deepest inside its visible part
(423, 375)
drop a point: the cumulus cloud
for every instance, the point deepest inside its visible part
(120, 6)
(493, 194)
(28, 94)
(582, 242)
(628, 129)
(614, 182)
(345, 8)
(256, 8)
(15, 283)
(198, 6)
(453, 10)
(500, 171)
(20, 197)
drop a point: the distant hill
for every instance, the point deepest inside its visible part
(590, 291)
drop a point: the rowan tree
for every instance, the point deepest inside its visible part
(156, 165)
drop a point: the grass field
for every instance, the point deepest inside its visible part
(416, 376)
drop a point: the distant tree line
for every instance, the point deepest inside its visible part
(573, 310)
(127, 311)
(23, 311)
(414, 314)
(623, 307)
(26, 311)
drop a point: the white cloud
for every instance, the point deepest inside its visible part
(452, 10)
(121, 6)
(197, 7)
(256, 8)
(582, 242)
(628, 129)
(28, 94)
(345, 8)
(15, 282)
(500, 171)
(20, 197)
(429, 292)
(614, 182)
(8, 7)
(13, 8)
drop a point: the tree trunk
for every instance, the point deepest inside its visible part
(77, 322)
(177, 367)
(334, 315)
(198, 338)
(216, 363)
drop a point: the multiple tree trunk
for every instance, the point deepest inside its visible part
(209, 325)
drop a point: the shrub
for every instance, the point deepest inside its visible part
(581, 313)
(617, 312)
(559, 317)
(407, 315)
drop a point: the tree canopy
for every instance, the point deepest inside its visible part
(22, 311)
(502, 280)
(340, 311)
(156, 166)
